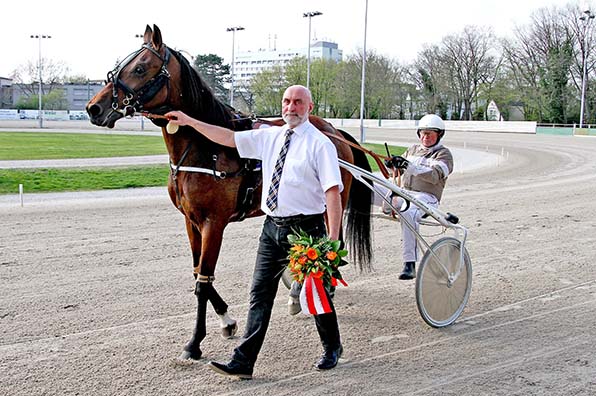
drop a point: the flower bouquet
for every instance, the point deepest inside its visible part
(315, 262)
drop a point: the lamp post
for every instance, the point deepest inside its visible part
(587, 18)
(233, 29)
(39, 37)
(362, 134)
(309, 15)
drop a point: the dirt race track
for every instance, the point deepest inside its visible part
(97, 294)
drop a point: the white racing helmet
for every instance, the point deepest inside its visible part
(431, 122)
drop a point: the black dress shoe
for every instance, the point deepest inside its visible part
(409, 271)
(233, 369)
(329, 359)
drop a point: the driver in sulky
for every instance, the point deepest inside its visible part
(424, 169)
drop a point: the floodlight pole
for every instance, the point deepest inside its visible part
(40, 111)
(362, 84)
(233, 30)
(309, 15)
(587, 18)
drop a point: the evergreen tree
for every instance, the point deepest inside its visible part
(215, 73)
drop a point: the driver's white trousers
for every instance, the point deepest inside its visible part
(413, 216)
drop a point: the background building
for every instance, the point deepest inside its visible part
(5, 93)
(75, 95)
(250, 63)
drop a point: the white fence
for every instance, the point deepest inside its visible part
(464, 126)
(50, 115)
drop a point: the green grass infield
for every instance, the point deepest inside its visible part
(71, 179)
(40, 145)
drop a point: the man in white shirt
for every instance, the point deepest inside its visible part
(301, 180)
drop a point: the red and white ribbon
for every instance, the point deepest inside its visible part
(313, 298)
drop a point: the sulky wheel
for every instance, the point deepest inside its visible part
(443, 284)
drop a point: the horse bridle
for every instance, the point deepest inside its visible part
(135, 100)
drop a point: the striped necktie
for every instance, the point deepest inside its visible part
(279, 166)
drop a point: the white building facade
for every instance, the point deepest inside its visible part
(249, 63)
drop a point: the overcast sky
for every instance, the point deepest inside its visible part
(88, 36)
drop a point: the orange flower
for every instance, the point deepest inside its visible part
(302, 260)
(331, 255)
(297, 248)
(312, 254)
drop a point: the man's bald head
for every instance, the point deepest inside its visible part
(296, 105)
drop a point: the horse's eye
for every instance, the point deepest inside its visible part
(139, 70)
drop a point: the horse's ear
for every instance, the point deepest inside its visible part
(147, 35)
(157, 42)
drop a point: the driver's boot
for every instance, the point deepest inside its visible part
(409, 271)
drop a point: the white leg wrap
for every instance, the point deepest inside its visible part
(225, 320)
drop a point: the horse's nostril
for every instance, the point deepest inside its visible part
(94, 110)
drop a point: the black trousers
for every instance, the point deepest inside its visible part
(270, 263)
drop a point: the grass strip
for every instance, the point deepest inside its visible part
(33, 146)
(70, 179)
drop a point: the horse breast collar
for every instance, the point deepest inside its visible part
(250, 168)
(247, 165)
(134, 100)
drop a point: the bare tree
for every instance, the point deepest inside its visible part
(583, 33)
(470, 62)
(428, 76)
(540, 58)
(382, 80)
(52, 74)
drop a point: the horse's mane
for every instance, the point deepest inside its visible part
(199, 100)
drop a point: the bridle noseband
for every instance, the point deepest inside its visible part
(135, 100)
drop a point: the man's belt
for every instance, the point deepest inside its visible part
(294, 220)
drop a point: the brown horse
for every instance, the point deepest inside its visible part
(210, 184)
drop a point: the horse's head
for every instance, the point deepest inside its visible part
(141, 82)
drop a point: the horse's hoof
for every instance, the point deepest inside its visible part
(187, 355)
(229, 331)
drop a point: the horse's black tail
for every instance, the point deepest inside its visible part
(358, 214)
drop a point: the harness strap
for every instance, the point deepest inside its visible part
(148, 90)
(221, 175)
(247, 189)
(213, 171)
(174, 173)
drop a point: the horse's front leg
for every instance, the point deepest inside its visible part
(205, 245)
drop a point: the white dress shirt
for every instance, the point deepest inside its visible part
(310, 169)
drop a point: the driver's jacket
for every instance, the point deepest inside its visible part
(428, 169)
